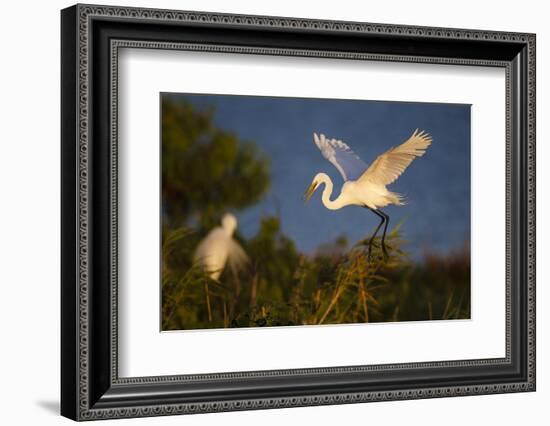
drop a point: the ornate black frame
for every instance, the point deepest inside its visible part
(91, 37)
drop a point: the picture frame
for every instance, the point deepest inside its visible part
(91, 37)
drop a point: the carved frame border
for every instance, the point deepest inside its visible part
(85, 13)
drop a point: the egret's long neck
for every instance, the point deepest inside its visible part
(336, 204)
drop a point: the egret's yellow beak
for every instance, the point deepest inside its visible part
(310, 191)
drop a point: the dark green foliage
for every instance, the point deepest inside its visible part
(437, 288)
(284, 287)
(206, 170)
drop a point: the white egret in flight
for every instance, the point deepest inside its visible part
(219, 248)
(364, 185)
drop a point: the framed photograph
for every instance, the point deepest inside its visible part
(263, 212)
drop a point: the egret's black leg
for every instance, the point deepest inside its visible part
(382, 219)
(386, 222)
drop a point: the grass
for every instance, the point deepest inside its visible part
(295, 289)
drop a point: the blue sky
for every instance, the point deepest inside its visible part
(436, 186)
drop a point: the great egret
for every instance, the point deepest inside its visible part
(219, 248)
(364, 185)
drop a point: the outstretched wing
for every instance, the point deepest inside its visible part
(389, 166)
(236, 257)
(341, 156)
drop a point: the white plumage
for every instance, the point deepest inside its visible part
(364, 185)
(219, 248)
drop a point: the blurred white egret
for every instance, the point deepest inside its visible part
(219, 248)
(364, 185)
